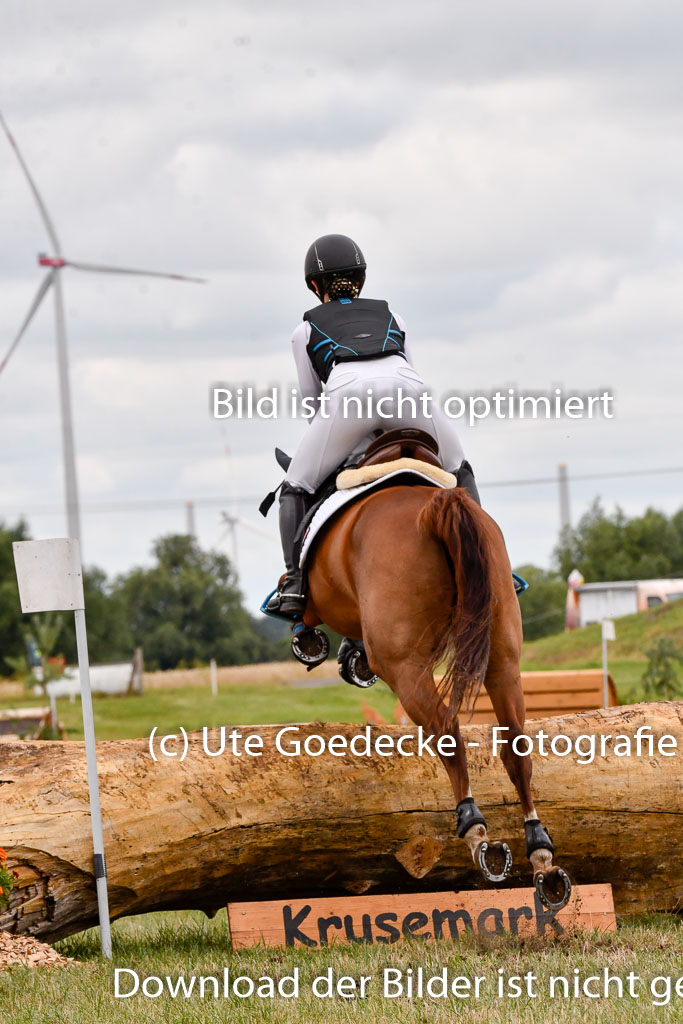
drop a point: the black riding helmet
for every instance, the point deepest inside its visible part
(334, 254)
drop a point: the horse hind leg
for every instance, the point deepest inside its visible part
(552, 882)
(494, 859)
(418, 694)
(504, 687)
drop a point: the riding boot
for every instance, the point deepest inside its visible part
(466, 479)
(290, 597)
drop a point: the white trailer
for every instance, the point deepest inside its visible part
(598, 601)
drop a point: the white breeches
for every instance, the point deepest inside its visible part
(330, 439)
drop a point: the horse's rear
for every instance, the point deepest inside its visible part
(422, 577)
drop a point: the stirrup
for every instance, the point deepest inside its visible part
(274, 601)
(269, 607)
(520, 583)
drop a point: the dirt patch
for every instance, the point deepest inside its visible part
(25, 951)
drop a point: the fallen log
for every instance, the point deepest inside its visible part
(199, 832)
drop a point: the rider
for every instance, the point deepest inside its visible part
(353, 346)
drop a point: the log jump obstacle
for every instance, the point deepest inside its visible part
(205, 831)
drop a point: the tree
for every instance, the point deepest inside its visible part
(613, 547)
(543, 604)
(12, 643)
(109, 634)
(187, 608)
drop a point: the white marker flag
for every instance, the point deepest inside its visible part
(50, 579)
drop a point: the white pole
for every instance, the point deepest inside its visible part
(563, 482)
(214, 678)
(605, 673)
(190, 527)
(50, 578)
(53, 711)
(93, 785)
(608, 633)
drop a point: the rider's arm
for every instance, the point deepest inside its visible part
(310, 385)
(402, 327)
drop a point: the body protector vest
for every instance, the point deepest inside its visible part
(347, 329)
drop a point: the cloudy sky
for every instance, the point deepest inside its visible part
(511, 171)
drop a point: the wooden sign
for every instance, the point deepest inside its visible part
(438, 915)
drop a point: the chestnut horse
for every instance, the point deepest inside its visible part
(421, 576)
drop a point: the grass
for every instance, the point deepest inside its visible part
(193, 708)
(261, 694)
(582, 648)
(187, 943)
(258, 695)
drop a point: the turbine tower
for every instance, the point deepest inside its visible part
(55, 265)
(231, 520)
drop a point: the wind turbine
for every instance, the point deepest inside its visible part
(52, 279)
(231, 521)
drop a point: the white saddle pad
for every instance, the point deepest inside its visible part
(341, 498)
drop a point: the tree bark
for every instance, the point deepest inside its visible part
(197, 833)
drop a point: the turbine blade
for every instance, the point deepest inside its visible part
(100, 268)
(254, 529)
(49, 226)
(33, 308)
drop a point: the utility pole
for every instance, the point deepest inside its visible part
(563, 485)
(190, 526)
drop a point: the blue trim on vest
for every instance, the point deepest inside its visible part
(327, 340)
(391, 330)
(326, 353)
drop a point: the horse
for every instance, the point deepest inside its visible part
(420, 575)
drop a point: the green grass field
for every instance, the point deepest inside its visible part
(188, 944)
(193, 708)
(627, 661)
(266, 702)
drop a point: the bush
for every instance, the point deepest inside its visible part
(661, 680)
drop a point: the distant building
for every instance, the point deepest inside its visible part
(598, 601)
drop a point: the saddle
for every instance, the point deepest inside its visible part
(406, 449)
(389, 446)
(402, 443)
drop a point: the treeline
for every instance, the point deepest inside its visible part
(183, 610)
(603, 547)
(187, 608)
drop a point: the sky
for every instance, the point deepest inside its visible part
(511, 172)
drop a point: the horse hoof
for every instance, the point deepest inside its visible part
(355, 670)
(494, 860)
(310, 646)
(553, 888)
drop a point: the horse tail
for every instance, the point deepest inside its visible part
(450, 516)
